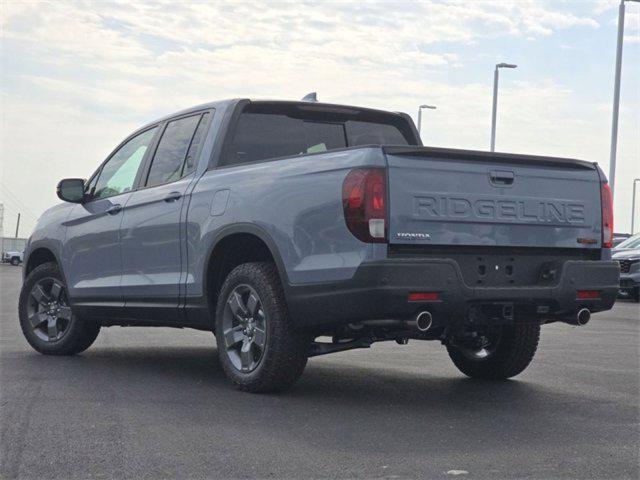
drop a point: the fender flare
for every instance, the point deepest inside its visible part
(251, 229)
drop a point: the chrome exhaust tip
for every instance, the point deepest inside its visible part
(424, 321)
(583, 317)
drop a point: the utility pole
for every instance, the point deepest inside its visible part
(17, 225)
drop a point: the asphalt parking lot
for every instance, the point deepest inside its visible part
(154, 403)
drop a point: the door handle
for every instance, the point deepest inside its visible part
(501, 178)
(114, 209)
(172, 196)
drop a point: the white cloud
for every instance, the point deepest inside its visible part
(82, 75)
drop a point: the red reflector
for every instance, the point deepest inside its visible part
(423, 296)
(584, 294)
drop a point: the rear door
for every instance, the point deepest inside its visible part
(151, 227)
(477, 198)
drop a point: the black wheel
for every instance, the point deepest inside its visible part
(15, 261)
(497, 353)
(258, 347)
(46, 318)
(636, 294)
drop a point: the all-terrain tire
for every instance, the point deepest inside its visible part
(285, 349)
(513, 354)
(78, 335)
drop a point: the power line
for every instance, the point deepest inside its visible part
(15, 210)
(17, 200)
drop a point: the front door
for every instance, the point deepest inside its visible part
(151, 229)
(92, 244)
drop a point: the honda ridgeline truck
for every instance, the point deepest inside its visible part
(296, 229)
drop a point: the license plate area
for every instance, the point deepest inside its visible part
(490, 313)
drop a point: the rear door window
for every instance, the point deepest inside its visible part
(169, 159)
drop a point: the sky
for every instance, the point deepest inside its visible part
(78, 77)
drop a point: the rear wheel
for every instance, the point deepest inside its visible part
(15, 261)
(258, 347)
(46, 318)
(497, 353)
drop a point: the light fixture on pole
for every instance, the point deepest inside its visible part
(616, 98)
(430, 107)
(495, 101)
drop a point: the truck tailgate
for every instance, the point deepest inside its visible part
(457, 197)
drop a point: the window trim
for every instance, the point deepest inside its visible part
(146, 166)
(136, 180)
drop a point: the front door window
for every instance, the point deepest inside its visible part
(119, 173)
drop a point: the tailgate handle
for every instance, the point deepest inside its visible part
(501, 178)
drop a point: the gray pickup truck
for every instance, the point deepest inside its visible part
(296, 229)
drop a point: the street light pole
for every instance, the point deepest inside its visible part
(430, 107)
(495, 101)
(616, 97)
(633, 203)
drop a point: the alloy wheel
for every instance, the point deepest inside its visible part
(245, 328)
(48, 310)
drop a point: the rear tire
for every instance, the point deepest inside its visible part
(15, 261)
(515, 348)
(258, 347)
(46, 318)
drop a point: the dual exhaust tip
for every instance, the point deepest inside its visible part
(580, 319)
(583, 317)
(424, 320)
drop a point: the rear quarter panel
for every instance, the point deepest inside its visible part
(294, 203)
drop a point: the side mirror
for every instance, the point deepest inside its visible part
(71, 190)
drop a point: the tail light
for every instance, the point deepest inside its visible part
(607, 215)
(364, 200)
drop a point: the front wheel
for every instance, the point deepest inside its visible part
(15, 261)
(497, 353)
(258, 346)
(46, 318)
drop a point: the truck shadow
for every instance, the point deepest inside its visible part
(334, 402)
(197, 373)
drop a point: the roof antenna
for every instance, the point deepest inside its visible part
(310, 97)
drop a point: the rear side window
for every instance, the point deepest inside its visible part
(261, 135)
(198, 139)
(169, 159)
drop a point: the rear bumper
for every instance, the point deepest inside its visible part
(380, 291)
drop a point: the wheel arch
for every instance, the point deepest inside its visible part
(234, 245)
(39, 256)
